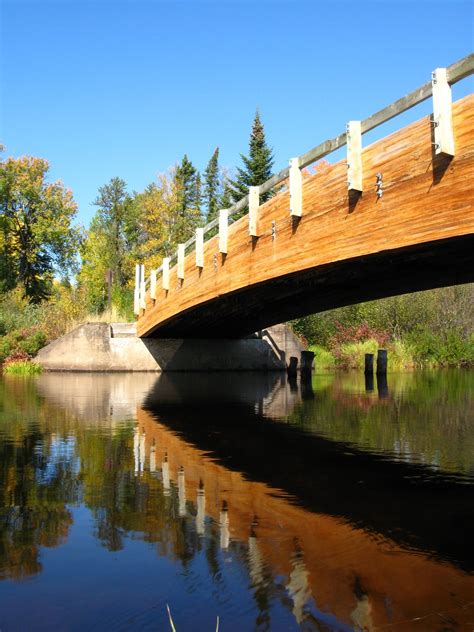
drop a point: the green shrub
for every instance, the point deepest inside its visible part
(6, 347)
(33, 343)
(455, 350)
(451, 349)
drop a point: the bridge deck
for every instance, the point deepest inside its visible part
(345, 248)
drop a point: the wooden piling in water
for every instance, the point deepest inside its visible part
(382, 362)
(292, 366)
(307, 358)
(369, 363)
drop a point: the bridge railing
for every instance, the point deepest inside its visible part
(439, 87)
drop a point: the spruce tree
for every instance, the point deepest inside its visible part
(257, 165)
(211, 186)
(225, 198)
(189, 184)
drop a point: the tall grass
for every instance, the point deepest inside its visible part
(22, 367)
(351, 355)
(323, 358)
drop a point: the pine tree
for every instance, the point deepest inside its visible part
(211, 186)
(257, 166)
(189, 185)
(225, 198)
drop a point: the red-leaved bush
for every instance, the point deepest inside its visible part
(17, 356)
(345, 334)
(357, 333)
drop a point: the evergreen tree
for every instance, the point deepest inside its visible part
(225, 198)
(257, 165)
(211, 186)
(189, 186)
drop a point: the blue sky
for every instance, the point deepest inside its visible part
(105, 88)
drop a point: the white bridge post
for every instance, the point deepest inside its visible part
(153, 285)
(136, 293)
(354, 156)
(296, 188)
(165, 267)
(254, 203)
(442, 113)
(142, 287)
(223, 230)
(181, 261)
(200, 247)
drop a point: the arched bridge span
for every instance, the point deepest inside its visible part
(396, 217)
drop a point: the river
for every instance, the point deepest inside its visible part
(334, 504)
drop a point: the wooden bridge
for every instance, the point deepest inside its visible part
(395, 217)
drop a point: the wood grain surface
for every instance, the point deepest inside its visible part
(427, 199)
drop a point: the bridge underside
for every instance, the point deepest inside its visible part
(422, 267)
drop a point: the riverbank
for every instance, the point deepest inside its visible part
(422, 330)
(428, 352)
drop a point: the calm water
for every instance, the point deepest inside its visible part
(334, 505)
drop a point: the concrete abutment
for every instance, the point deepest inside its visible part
(116, 347)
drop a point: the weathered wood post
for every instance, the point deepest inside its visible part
(369, 372)
(292, 367)
(369, 363)
(382, 362)
(307, 358)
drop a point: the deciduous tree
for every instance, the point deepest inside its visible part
(37, 236)
(110, 244)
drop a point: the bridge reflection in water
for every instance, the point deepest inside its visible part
(336, 504)
(340, 526)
